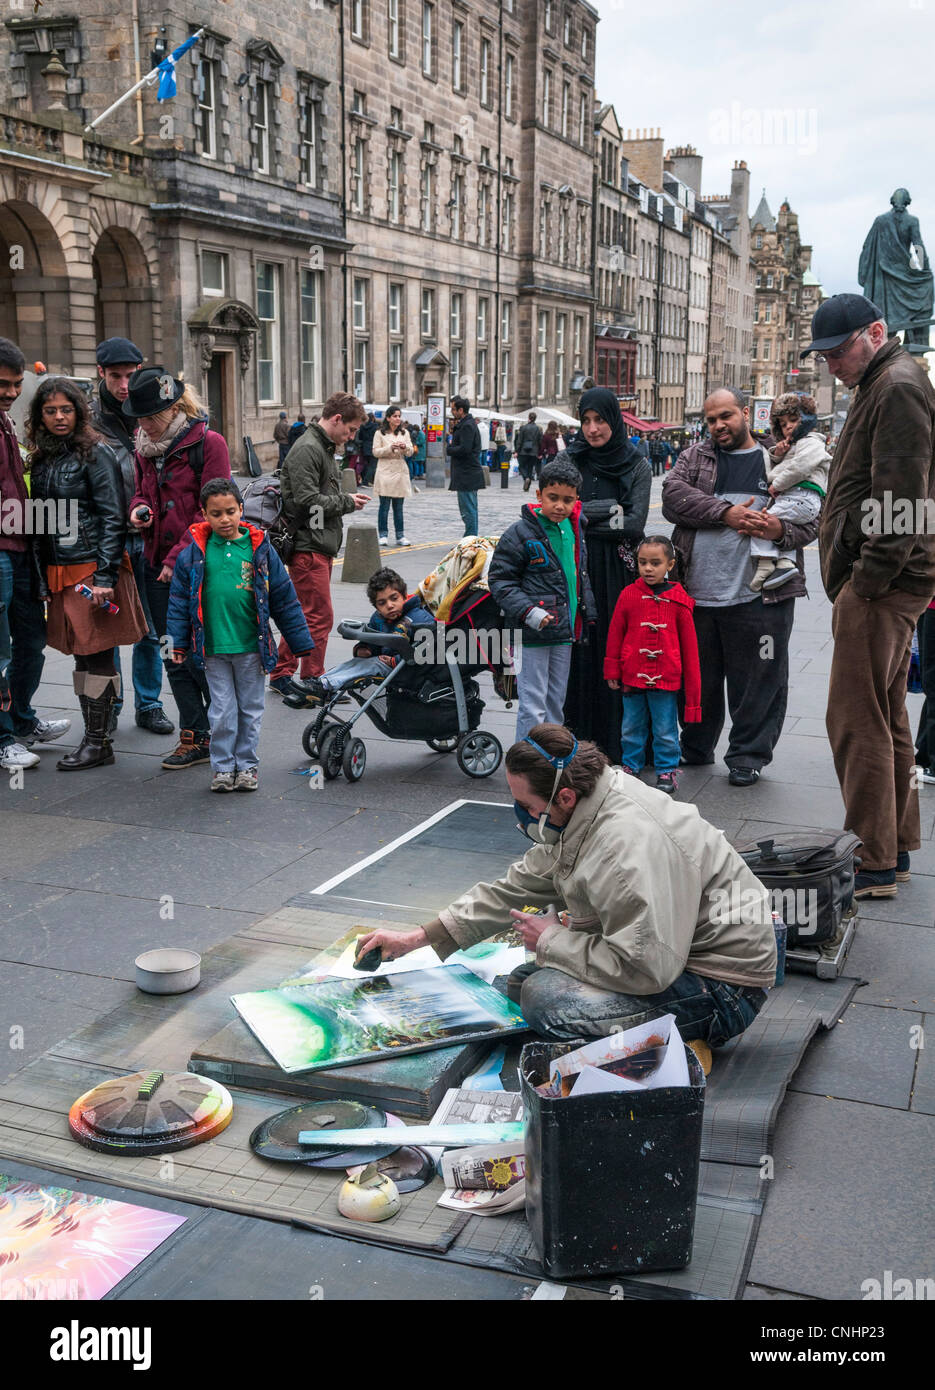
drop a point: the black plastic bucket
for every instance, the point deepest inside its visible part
(611, 1178)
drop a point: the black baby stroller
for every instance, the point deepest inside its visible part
(437, 703)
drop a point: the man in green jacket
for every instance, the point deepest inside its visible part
(877, 544)
(314, 504)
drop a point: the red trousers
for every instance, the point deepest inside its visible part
(311, 575)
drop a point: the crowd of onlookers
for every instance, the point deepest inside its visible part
(647, 645)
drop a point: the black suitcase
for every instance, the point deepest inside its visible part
(810, 876)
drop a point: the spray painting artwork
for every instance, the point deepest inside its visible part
(58, 1244)
(335, 1022)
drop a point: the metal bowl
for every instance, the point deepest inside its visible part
(168, 970)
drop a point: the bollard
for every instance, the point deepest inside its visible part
(348, 480)
(362, 556)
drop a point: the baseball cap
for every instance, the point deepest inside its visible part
(113, 352)
(837, 318)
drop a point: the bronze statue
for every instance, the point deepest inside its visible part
(894, 272)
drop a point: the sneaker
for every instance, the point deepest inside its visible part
(14, 756)
(403, 540)
(875, 883)
(384, 540)
(743, 776)
(311, 689)
(282, 685)
(630, 771)
(190, 750)
(46, 731)
(222, 782)
(154, 720)
(667, 782)
(902, 866)
(925, 774)
(246, 780)
(783, 572)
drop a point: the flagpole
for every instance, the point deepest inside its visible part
(148, 80)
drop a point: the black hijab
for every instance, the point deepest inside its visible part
(618, 454)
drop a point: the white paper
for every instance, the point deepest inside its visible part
(501, 959)
(672, 1070)
(592, 1079)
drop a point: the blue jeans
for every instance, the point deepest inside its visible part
(147, 659)
(22, 643)
(238, 694)
(352, 670)
(467, 506)
(556, 1005)
(658, 708)
(383, 516)
(541, 683)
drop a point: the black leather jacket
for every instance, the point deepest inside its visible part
(94, 508)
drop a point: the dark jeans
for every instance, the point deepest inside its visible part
(746, 645)
(22, 643)
(528, 466)
(556, 1005)
(383, 516)
(187, 682)
(925, 739)
(467, 506)
(147, 662)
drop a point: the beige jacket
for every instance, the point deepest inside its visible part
(807, 461)
(651, 890)
(392, 475)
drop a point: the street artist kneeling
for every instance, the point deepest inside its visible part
(659, 913)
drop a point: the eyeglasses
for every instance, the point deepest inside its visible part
(834, 353)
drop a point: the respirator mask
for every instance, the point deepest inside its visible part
(541, 830)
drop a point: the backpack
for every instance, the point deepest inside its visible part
(262, 506)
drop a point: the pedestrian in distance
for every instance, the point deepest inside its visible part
(365, 439)
(879, 573)
(176, 454)
(548, 446)
(71, 467)
(22, 612)
(314, 505)
(295, 432)
(392, 448)
(281, 435)
(652, 653)
(467, 477)
(118, 361)
(227, 585)
(527, 442)
(538, 575)
(417, 462)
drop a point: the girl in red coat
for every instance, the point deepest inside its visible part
(651, 651)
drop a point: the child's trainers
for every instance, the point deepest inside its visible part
(667, 782)
(192, 748)
(246, 780)
(222, 782)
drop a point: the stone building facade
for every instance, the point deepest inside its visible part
(616, 223)
(733, 212)
(784, 303)
(208, 228)
(469, 167)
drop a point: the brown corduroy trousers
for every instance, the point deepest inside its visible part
(867, 723)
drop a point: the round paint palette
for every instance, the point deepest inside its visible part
(410, 1168)
(150, 1112)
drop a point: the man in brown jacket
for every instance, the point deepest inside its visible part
(877, 544)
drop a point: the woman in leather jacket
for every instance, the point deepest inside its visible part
(84, 525)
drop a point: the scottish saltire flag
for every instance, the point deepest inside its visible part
(166, 69)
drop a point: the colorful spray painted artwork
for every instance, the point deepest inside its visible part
(59, 1244)
(333, 1022)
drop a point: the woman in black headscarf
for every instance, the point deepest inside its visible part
(615, 501)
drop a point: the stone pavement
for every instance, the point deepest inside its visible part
(97, 868)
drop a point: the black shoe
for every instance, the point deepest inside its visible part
(875, 883)
(312, 690)
(95, 749)
(193, 748)
(743, 776)
(155, 721)
(282, 685)
(902, 866)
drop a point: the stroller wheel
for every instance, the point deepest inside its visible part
(329, 752)
(309, 741)
(354, 759)
(442, 745)
(479, 754)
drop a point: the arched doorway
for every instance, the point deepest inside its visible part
(34, 288)
(123, 301)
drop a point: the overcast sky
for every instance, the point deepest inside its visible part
(855, 76)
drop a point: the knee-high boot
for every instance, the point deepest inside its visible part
(96, 696)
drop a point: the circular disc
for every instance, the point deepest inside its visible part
(150, 1112)
(410, 1168)
(277, 1138)
(350, 1158)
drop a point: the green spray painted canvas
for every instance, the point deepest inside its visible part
(335, 1021)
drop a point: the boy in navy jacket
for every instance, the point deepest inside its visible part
(227, 584)
(394, 611)
(539, 577)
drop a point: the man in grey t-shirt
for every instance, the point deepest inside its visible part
(716, 495)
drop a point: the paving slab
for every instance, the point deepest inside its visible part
(923, 1091)
(898, 964)
(868, 1057)
(849, 1198)
(48, 1005)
